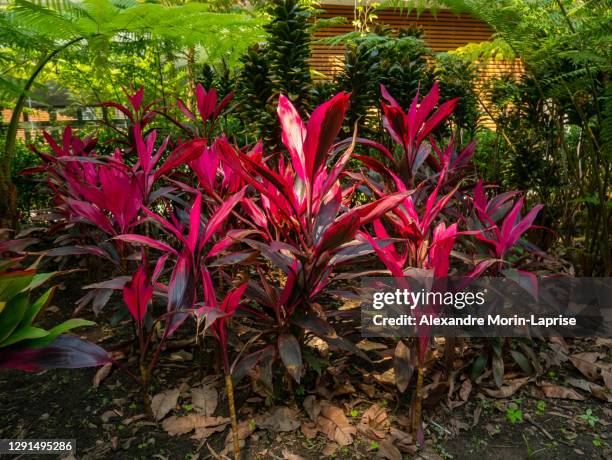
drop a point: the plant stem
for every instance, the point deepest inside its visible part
(232, 409)
(418, 402)
(146, 397)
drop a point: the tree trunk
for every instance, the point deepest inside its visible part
(8, 203)
(8, 206)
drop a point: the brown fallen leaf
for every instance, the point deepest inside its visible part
(465, 390)
(312, 406)
(463, 394)
(403, 366)
(600, 392)
(204, 399)
(164, 402)
(507, 390)
(368, 345)
(386, 378)
(586, 364)
(402, 440)
(369, 390)
(387, 450)
(281, 419)
(214, 425)
(101, 375)
(560, 342)
(607, 378)
(555, 391)
(344, 389)
(596, 390)
(603, 342)
(184, 388)
(309, 429)
(580, 383)
(374, 422)
(477, 414)
(335, 425)
(245, 429)
(176, 426)
(181, 355)
(330, 450)
(289, 456)
(433, 393)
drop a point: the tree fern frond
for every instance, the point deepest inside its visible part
(42, 21)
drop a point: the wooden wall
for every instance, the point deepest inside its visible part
(443, 32)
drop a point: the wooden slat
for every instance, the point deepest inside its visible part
(443, 31)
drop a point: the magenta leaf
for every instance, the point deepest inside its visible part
(65, 352)
(141, 239)
(138, 293)
(293, 135)
(322, 129)
(217, 219)
(183, 154)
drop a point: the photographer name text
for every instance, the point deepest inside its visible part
(470, 320)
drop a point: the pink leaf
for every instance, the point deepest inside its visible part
(322, 129)
(232, 299)
(138, 293)
(141, 239)
(217, 219)
(524, 225)
(371, 211)
(194, 222)
(206, 101)
(442, 113)
(136, 99)
(293, 135)
(385, 94)
(184, 153)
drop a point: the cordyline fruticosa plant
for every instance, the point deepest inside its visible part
(189, 272)
(287, 221)
(98, 197)
(427, 223)
(306, 228)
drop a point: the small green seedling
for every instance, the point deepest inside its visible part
(590, 418)
(540, 407)
(374, 445)
(597, 442)
(514, 414)
(354, 413)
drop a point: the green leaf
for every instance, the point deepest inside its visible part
(37, 306)
(522, 361)
(12, 315)
(57, 330)
(13, 283)
(478, 367)
(24, 333)
(41, 278)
